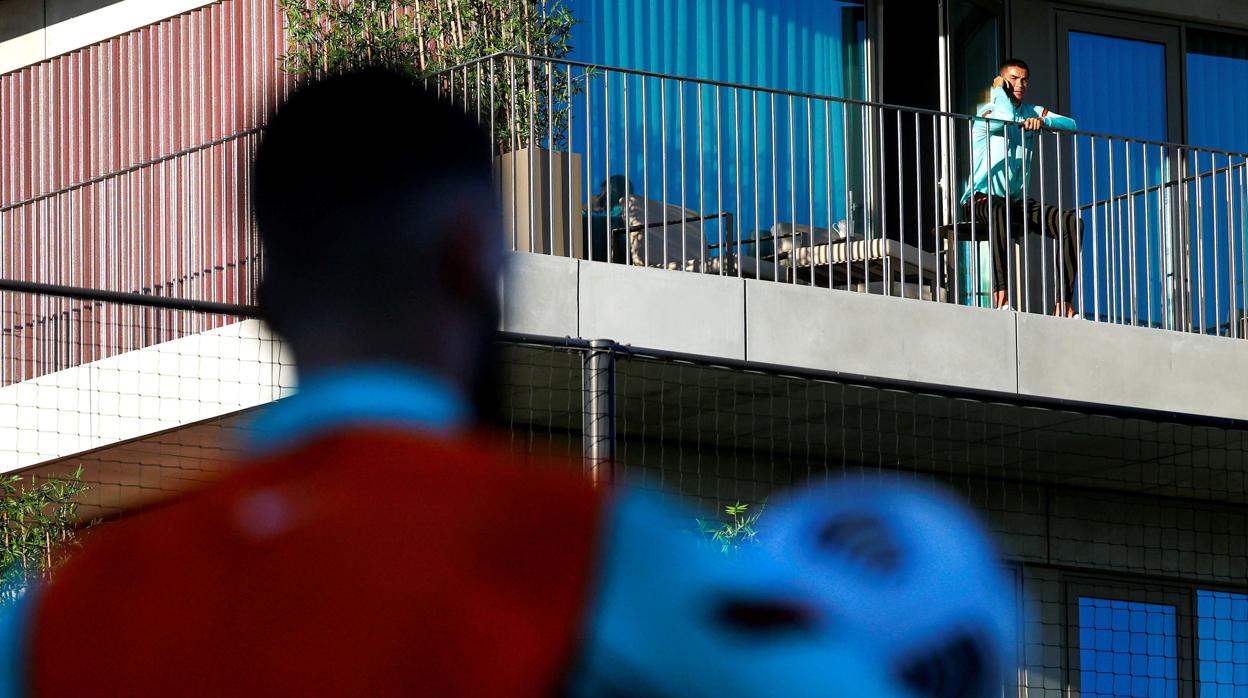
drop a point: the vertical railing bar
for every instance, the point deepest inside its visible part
(1096, 268)
(810, 187)
(1131, 236)
(883, 185)
(587, 76)
(793, 238)
(1243, 247)
(1044, 277)
(684, 205)
(951, 252)
(918, 203)
(626, 196)
(992, 228)
(645, 180)
(869, 198)
(550, 156)
(1230, 250)
(849, 212)
(513, 127)
(663, 177)
(1243, 250)
(1148, 249)
(606, 166)
(531, 103)
(701, 177)
(1009, 223)
(975, 241)
(736, 254)
(680, 106)
(1075, 283)
(1200, 246)
(901, 209)
(947, 157)
(719, 175)
(1213, 198)
(1112, 227)
(775, 192)
(758, 250)
(1059, 267)
(827, 167)
(567, 187)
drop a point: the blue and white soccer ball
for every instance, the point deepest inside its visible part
(911, 572)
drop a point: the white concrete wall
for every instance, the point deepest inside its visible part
(878, 337)
(86, 29)
(140, 392)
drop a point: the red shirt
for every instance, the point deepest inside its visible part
(368, 562)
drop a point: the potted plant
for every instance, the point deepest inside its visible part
(452, 45)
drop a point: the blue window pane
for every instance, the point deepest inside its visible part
(1217, 94)
(1222, 644)
(1127, 648)
(712, 150)
(1125, 272)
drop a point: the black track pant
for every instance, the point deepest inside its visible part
(1071, 236)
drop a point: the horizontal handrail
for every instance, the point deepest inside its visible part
(779, 92)
(129, 169)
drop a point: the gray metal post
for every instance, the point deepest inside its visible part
(598, 391)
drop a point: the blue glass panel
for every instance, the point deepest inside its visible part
(1217, 95)
(1222, 649)
(1118, 87)
(712, 150)
(1127, 648)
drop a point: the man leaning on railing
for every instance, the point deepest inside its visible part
(996, 195)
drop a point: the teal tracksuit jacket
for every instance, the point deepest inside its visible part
(1001, 152)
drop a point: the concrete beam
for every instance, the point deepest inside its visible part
(540, 295)
(654, 308)
(1132, 366)
(880, 337)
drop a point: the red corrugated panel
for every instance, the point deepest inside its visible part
(70, 211)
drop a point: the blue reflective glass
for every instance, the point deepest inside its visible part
(1127, 648)
(1118, 87)
(700, 147)
(1222, 644)
(1217, 95)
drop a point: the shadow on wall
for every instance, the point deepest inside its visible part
(18, 17)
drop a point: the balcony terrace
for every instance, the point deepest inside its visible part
(686, 217)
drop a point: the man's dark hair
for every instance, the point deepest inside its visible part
(345, 177)
(1014, 63)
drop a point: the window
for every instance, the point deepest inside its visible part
(1222, 644)
(1151, 640)
(1127, 648)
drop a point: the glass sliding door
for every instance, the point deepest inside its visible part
(745, 159)
(1217, 96)
(976, 50)
(1121, 79)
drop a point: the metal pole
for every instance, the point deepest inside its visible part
(598, 394)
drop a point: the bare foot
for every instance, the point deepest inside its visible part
(1065, 310)
(999, 298)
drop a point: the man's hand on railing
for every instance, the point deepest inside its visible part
(1032, 124)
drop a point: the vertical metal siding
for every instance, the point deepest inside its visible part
(73, 212)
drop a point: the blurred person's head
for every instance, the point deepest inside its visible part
(375, 204)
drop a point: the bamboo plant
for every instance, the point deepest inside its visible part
(427, 38)
(38, 523)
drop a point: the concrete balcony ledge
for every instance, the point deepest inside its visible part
(882, 338)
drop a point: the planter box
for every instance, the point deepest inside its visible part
(541, 201)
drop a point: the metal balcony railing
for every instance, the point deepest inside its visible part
(640, 168)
